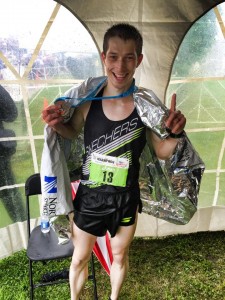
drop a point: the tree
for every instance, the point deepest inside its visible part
(196, 44)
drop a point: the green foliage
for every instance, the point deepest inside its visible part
(196, 44)
(182, 267)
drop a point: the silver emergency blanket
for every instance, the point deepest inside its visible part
(62, 225)
(169, 189)
(152, 111)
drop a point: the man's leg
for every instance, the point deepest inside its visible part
(120, 249)
(83, 245)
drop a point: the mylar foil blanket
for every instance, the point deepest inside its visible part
(152, 111)
(62, 225)
(169, 188)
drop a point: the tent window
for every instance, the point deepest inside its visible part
(198, 79)
(44, 50)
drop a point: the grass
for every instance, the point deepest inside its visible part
(181, 267)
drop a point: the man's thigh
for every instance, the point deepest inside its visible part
(83, 242)
(123, 237)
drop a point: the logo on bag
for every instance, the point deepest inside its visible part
(50, 185)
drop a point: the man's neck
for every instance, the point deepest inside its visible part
(110, 90)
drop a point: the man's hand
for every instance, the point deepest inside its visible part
(52, 115)
(176, 120)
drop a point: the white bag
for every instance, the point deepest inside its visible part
(55, 180)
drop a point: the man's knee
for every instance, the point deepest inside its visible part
(120, 256)
(79, 263)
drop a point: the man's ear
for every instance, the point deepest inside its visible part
(140, 58)
(103, 56)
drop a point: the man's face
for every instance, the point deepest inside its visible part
(120, 62)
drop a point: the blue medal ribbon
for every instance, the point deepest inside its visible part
(131, 90)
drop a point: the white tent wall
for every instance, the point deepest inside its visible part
(163, 24)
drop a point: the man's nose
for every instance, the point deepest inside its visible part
(120, 63)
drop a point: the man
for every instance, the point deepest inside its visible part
(108, 197)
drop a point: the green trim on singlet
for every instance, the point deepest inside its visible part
(137, 133)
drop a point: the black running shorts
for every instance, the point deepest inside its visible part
(105, 208)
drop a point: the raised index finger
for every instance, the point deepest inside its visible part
(173, 103)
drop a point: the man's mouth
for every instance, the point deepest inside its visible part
(119, 76)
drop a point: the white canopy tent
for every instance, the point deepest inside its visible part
(163, 24)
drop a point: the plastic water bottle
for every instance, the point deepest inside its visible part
(45, 225)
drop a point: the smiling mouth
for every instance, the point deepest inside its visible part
(119, 77)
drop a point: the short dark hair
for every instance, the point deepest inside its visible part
(125, 32)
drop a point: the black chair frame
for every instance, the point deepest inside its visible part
(38, 242)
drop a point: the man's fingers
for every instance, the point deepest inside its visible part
(52, 108)
(54, 122)
(179, 126)
(52, 113)
(176, 121)
(173, 103)
(172, 116)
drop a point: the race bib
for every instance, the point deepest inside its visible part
(108, 169)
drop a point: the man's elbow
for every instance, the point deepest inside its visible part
(164, 156)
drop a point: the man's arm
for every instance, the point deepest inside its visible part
(164, 149)
(52, 115)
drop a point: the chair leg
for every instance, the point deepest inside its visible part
(93, 277)
(31, 280)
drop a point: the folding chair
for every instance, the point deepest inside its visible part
(45, 247)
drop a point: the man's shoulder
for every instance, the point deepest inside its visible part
(88, 88)
(84, 109)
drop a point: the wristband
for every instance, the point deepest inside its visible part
(176, 136)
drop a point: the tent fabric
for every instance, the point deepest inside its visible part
(163, 24)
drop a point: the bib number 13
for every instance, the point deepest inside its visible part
(108, 170)
(108, 177)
